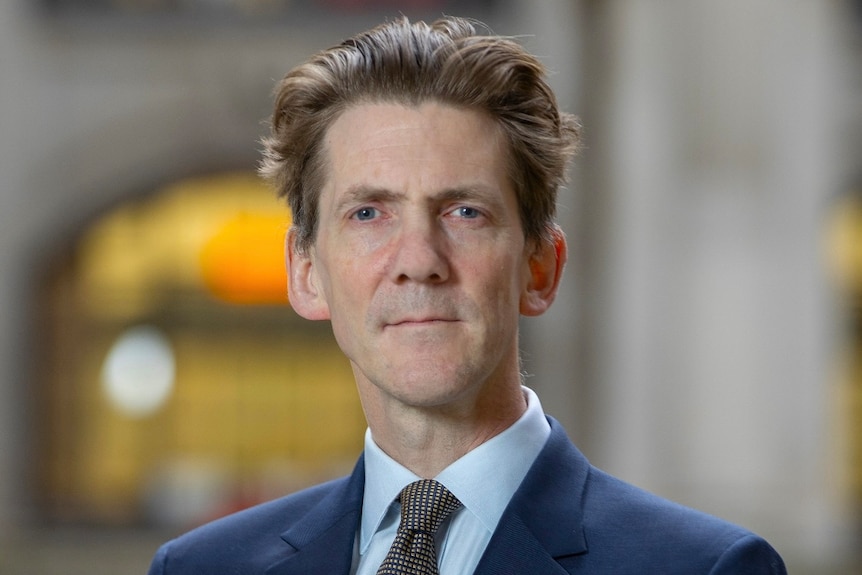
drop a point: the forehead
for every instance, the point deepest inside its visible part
(431, 143)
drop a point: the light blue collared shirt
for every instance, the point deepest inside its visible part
(484, 480)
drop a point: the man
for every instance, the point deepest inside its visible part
(421, 164)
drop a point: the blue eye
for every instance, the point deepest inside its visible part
(365, 214)
(467, 212)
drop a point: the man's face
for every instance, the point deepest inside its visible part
(420, 260)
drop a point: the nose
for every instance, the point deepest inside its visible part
(420, 253)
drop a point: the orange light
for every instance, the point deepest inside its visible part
(243, 263)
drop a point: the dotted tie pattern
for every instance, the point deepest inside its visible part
(425, 505)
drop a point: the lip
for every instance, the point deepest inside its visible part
(420, 322)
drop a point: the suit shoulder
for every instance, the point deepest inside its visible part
(645, 526)
(241, 539)
(612, 504)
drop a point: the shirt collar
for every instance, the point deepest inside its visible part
(467, 478)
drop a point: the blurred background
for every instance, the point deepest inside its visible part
(707, 344)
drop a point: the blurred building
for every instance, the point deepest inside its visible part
(706, 345)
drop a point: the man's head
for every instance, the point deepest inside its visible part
(446, 62)
(422, 165)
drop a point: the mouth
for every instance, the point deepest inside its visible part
(421, 322)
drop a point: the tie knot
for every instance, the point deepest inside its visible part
(425, 504)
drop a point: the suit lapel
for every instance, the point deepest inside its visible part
(542, 525)
(544, 521)
(322, 541)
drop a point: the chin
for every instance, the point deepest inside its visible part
(431, 390)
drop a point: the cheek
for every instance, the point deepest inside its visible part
(350, 288)
(499, 281)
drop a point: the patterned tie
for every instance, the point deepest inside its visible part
(425, 505)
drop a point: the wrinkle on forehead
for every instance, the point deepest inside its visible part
(386, 133)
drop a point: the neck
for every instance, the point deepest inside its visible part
(426, 440)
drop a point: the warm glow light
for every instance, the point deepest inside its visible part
(138, 373)
(243, 262)
(845, 243)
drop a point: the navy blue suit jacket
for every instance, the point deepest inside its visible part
(566, 517)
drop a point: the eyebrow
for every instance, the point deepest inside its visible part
(362, 193)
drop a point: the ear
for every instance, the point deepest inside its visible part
(303, 284)
(546, 263)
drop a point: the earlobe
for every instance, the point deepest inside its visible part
(305, 295)
(546, 265)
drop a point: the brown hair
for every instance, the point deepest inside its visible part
(411, 63)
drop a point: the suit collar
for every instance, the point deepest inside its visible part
(322, 541)
(542, 524)
(544, 521)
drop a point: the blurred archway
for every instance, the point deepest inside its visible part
(175, 382)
